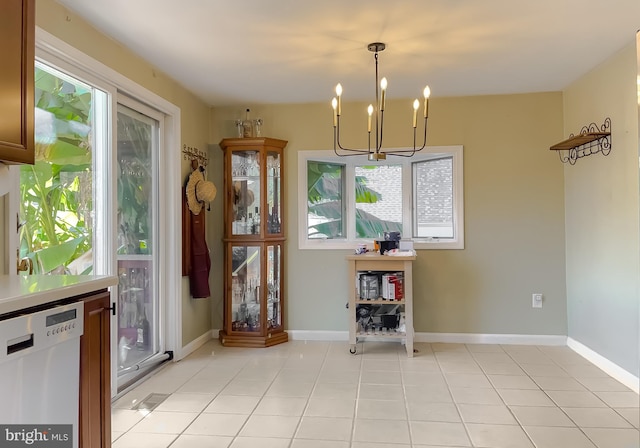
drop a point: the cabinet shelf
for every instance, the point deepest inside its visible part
(379, 302)
(591, 140)
(388, 335)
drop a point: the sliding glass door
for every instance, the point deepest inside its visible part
(138, 142)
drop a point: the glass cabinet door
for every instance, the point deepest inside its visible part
(245, 288)
(273, 193)
(274, 284)
(245, 175)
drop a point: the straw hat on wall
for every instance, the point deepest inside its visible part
(199, 191)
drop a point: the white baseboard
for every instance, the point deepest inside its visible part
(194, 345)
(609, 367)
(479, 338)
(318, 335)
(464, 338)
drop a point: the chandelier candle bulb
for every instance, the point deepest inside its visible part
(334, 104)
(339, 94)
(370, 112)
(416, 105)
(427, 94)
(383, 93)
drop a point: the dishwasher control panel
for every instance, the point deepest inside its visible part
(40, 330)
(61, 322)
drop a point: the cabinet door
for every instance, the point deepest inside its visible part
(17, 32)
(274, 193)
(245, 195)
(274, 287)
(95, 377)
(246, 315)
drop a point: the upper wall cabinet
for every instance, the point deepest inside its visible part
(17, 34)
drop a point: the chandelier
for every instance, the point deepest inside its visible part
(377, 152)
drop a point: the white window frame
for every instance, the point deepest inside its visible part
(59, 54)
(350, 241)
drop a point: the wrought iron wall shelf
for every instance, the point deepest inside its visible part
(591, 140)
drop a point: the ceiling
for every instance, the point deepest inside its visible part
(246, 52)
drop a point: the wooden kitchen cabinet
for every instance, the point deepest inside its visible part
(17, 109)
(95, 373)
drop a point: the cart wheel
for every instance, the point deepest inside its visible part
(352, 350)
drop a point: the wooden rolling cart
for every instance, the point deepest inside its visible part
(378, 316)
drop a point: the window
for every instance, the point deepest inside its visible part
(351, 200)
(325, 209)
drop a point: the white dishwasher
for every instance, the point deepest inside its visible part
(39, 374)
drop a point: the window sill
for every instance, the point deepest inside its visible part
(326, 244)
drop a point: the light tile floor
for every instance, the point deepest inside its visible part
(318, 395)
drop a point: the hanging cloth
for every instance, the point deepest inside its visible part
(199, 191)
(200, 259)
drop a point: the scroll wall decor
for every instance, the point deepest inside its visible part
(591, 140)
(194, 154)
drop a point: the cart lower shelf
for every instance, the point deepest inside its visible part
(361, 336)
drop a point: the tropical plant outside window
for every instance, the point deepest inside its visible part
(56, 206)
(378, 200)
(350, 201)
(325, 205)
(134, 182)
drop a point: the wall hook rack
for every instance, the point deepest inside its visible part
(194, 154)
(591, 140)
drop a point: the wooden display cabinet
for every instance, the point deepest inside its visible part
(254, 305)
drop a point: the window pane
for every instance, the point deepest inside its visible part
(324, 200)
(56, 193)
(433, 198)
(378, 200)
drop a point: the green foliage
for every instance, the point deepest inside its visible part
(134, 183)
(324, 186)
(56, 193)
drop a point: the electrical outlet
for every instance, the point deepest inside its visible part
(536, 300)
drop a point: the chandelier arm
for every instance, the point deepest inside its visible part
(337, 145)
(415, 149)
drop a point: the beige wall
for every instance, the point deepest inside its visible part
(514, 215)
(67, 26)
(601, 196)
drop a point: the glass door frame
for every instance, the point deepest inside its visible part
(159, 310)
(59, 54)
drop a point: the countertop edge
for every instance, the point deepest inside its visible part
(20, 292)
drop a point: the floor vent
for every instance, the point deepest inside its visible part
(150, 402)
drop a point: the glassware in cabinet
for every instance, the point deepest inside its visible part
(245, 291)
(246, 187)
